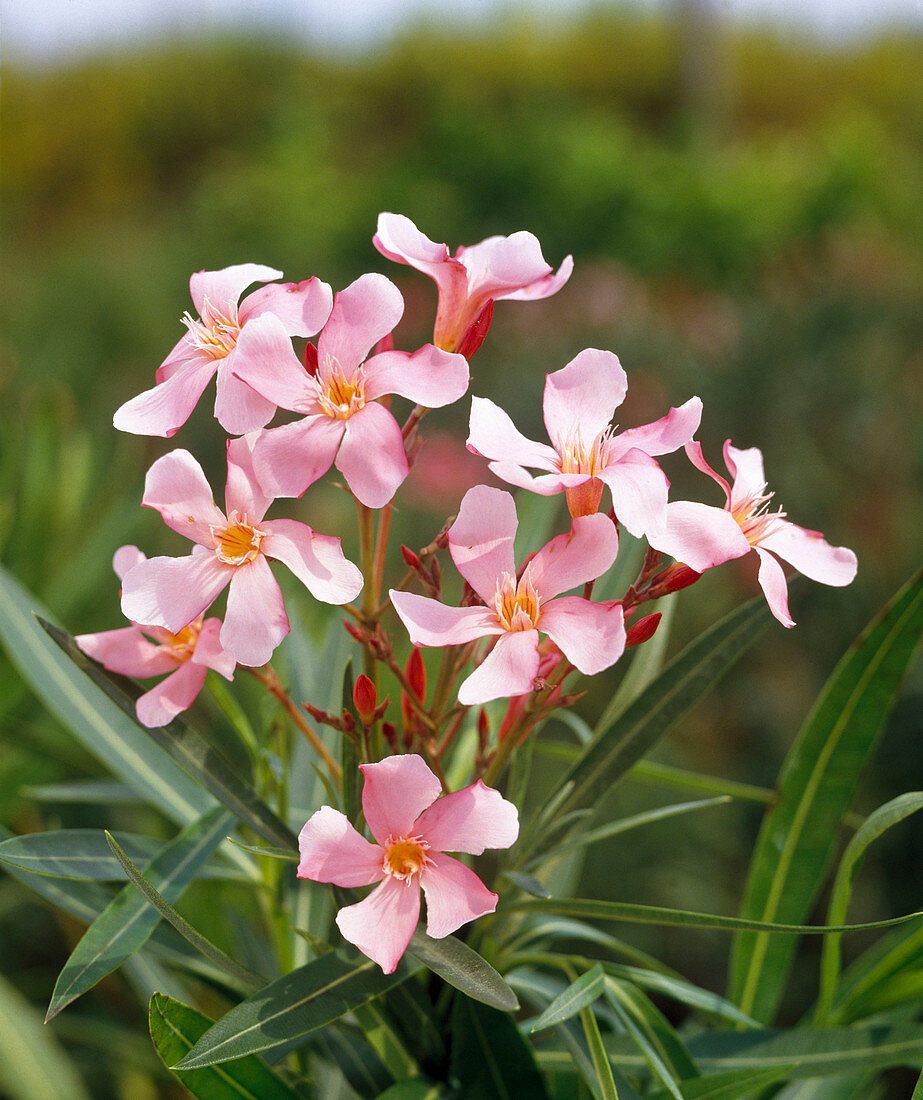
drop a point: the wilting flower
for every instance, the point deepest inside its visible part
(141, 650)
(702, 536)
(590, 635)
(413, 827)
(343, 421)
(224, 336)
(499, 267)
(586, 454)
(232, 550)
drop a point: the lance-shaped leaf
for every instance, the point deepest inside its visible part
(490, 1057)
(816, 787)
(725, 1086)
(579, 994)
(176, 1028)
(127, 922)
(75, 853)
(464, 968)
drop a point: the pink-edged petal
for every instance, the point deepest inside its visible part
(665, 435)
(210, 652)
(362, 314)
(541, 288)
(639, 492)
(746, 469)
(454, 895)
(238, 407)
(395, 792)
(174, 694)
(243, 492)
(399, 239)
(583, 396)
(332, 851)
(545, 485)
(590, 635)
(699, 535)
(166, 408)
(811, 554)
(774, 586)
(697, 458)
(509, 669)
(171, 592)
(125, 558)
(431, 623)
(302, 308)
(470, 820)
(290, 458)
(265, 359)
(382, 924)
(371, 456)
(481, 538)
(581, 554)
(316, 560)
(492, 434)
(255, 621)
(221, 290)
(127, 651)
(499, 266)
(177, 488)
(183, 351)
(429, 377)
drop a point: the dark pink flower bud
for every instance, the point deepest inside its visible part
(310, 358)
(476, 331)
(365, 698)
(642, 630)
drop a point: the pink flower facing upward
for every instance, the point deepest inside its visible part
(499, 267)
(412, 827)
(141, 651)
(590, 635)
(343, 421)
(231, 550)
(701, 536)
(586, 454)
(225, 335)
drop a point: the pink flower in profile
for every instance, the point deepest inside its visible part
(232, 550)
(343, 422)
(225, 335)
(586, 454)
(499, 267)
(141, 651)
(701, 536)
(590, 635)
(413, 827)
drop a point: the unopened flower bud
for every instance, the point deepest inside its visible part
(365, 698)
(411, 560)
(310, 358)
(642, 630)
(676, 577)
(477, 330)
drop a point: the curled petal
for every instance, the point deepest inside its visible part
(492, 434)
(454, 896)
(697, 458)
(381, 925)
(302, 308)
(811, 554)
(238, 407)
(362, 314)
(746, 468)
(395, 792)
(164, 409)
(579, 555)
(667, 434)
(590, 635)
(371, 456)
(316, 560)
(255, 622)
(509, 669)
(429, 377)
(183, 351)
(177, 488)
(332, 851)
(583, 395)
(171, 592)
(174, 694)
(772, 581)
(699, 535)
(499, 267)
(221, 290)
(127, 652)
(541, 288)
(481, 538)
(470, 820)
(431, 623)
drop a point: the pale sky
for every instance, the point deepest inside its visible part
(48, 29)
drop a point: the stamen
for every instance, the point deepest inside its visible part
(576, 458)
(340, 396)
(754, 518)
(239, 542)
(215, 335)
(517, 606)
(405, 856)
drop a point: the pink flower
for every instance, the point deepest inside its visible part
(590, 635)
(412, 828)
(141, 650)
(701, 536)
(232, 550)
(343, 421)
(225, 336)
(586, 454)
(499, 267)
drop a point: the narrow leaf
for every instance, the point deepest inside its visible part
(580, 993)
(601, 1064)
(463, 968)
(646, 663)
(489, 1056)
(725, 1086)
(272, 853)
(75, 853)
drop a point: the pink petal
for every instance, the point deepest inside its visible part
(545, 485)
(695, 456)
(302, 308)
(243, 492)
(509, 669)
(429, 377)
(395, 792)
(209, 651)
(541, 288)
(171, 592)
(583, 396)
(454, 895)
(500, 266)
(174, 694)
(431, 623)
(125, 558)
(639, 492)
(590, 635)
(667, 434)
(166, 408)
(127, 652)
(221, 290)
(176, 487)
(481, 539)
(746, 468)
(363, 313)
(316, 560)
(774, 586)
(183, 351)
(265, 360)
(238, 407)
(580, 555)
(699, 536)
(332, 851)
(382, 924)
(811, 554)
(469, 820)
(290, 458)
(399, 239)
(492, 434)
(371, 456)
(255, 621)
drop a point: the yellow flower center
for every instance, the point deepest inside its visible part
(215, 335)
(239, 542)
(576, 457)
(517, 605)
(183, 644)
(405, 856)
(340, 396)
(754, 518)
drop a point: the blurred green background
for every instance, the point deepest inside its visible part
(744, 212)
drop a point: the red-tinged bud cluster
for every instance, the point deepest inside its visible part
(642, 630)
(429, 572)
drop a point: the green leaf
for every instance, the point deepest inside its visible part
(816, 787)
(646, 663)
(678, 990)
(191, 751)
(95, 792)
(887, 960)
(528, 884)
(489, 1056)
(127, 922)
(580, 993)
(601, 1064)
(104, 730)
(292, 1006)
(350, 788)
(273, 853)
(725, 1086)
(74, 853)
(176, 1028)
(411, 1090)
(456, 963)
(918, 1089)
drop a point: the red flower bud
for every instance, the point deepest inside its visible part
(411, 560)
(676, 577)
(365, 698)
(642, 630)
(310, 358)
(415, 671)
(476, 331)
